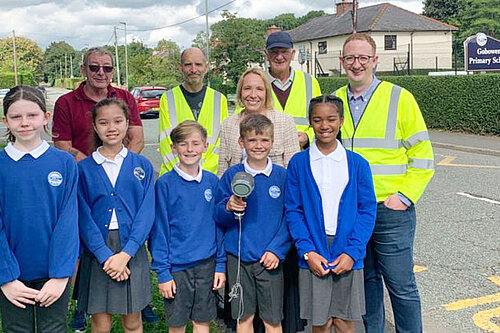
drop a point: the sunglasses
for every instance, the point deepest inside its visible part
(95, 68)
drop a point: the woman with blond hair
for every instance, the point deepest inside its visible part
(254, 95)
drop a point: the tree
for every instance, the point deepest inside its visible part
(236, 43)
(480, 16)
(58, 58)
(447, 11)
(29, 56)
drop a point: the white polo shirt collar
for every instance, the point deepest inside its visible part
(188, 177)
(266, 171)
(16, 154)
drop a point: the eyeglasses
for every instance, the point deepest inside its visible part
(95, 68)
(363, 59)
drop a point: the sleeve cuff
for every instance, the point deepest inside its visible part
(404, 199)
(220, 267)
(103, 254)
(165, 276)
(131, 248)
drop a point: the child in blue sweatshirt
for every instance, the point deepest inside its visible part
(38, 220)
(265, 240)
(116, 206)
(330, 210)
(186, 245)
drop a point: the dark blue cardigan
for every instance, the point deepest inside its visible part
(133, 199)
(304, 210)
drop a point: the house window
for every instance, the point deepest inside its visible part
(322, 47)
(390, 42)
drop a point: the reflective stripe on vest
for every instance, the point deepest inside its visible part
(172, 113)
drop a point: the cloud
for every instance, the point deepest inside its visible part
(83, 23)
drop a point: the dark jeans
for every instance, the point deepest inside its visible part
(35, 318)
(389, 256)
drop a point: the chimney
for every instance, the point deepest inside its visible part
(272, 29)
(343, 6)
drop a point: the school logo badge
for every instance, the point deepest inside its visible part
(208, 194)
(55, 178)
(139, 173)
(274, 192)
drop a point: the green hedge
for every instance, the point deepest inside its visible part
(68, 83)
(456, 103)
(7, 79)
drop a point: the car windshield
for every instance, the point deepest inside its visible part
(152, 93)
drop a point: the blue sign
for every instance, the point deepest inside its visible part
(482, 53)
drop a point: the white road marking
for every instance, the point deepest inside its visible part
(477, 197)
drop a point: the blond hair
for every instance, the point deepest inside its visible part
(269, 103)
(185, 129)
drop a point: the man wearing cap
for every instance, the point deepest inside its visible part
(192, 100)
(292, 89)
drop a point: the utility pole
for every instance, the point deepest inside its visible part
(117, 62)
(126, 56)
(207, 29)
(208, 37)
(354, 16)
(65, 65)
(71, 65)
(15, 56)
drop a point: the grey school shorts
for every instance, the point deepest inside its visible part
(261, 287)
(195, 298)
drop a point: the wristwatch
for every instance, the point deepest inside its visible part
(306, 256)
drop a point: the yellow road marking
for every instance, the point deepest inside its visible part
(482, 319)
(419, 269)
(446, 161)
(472, 302)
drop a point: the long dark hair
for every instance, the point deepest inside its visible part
(26, 93)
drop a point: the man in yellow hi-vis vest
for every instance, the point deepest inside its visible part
(192, 100)
(292, 89)
(383, 123)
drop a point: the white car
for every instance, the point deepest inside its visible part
(3, 92)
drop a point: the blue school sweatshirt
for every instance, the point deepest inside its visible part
(304, 210)
(132, 198)
(263, 225)
(38, 216)
(185, 232)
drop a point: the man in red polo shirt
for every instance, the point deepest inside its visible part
(72, 129)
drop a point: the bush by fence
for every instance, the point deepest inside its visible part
(7, 79)
(68, 83)
(458, 103)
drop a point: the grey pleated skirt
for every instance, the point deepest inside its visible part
(338, 296)
(98, 293)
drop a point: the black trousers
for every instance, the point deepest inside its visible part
(35, 319)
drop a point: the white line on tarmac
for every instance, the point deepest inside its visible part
(476, 197)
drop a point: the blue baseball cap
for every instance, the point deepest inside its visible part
(279, 39)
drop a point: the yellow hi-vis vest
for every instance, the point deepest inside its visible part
(391, 135)
(304, 88)
(174, 109)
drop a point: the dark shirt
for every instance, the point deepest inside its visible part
(282, 95)
(194, 100)
(73, 117)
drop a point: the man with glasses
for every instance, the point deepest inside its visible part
(383, 123)
(292, 89)
(72, 128)
(192, 100)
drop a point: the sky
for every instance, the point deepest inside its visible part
(86, 23)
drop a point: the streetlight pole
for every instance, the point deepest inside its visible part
(117, 61)
(208, 37)
(126, 55)
(15, 56)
